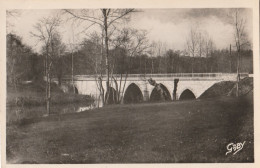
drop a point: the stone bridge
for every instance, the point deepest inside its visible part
(136, 85)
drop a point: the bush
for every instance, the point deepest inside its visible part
(218, 89)
(244, 87)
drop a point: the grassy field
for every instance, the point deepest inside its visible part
(183, 131)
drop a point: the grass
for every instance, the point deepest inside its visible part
(183, 131)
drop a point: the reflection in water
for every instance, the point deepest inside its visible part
(95, 104)
(80, 109)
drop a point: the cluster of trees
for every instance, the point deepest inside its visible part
(24, 64)
(199, 44)
(114, 49)
(21, 62)
(171, 61)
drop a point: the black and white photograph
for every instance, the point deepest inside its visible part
(125, 85)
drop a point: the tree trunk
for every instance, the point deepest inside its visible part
(175, 89)
(101, 73)
(107, 54)
(59, 70)
(48, 94)
(230, 59)
(72, 72)
(47, 82)
(192, 62)
(49, 89)
(238, 75)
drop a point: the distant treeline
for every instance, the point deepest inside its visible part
(170, 62)
(24, 64)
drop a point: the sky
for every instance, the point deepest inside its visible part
(169, 26)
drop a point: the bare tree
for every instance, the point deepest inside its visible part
(106, 19)
(134, 42)
(238, 22)
(201, 42)
(59, 49)
(73, 48)
(192, 45)
(46, 30)
(208, 48)
(152, 52)
(158, 49)
(98, 63)
(201, 46)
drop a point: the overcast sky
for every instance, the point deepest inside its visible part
(169, 26)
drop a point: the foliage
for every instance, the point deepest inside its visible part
(22, 63)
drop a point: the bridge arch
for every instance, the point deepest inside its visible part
(133, 94)
(187, 94)
(156, 95)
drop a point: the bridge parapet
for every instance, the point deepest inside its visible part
(171, 76)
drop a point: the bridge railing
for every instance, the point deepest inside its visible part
(186, 75)
(169, 75)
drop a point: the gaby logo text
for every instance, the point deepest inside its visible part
(235, 147)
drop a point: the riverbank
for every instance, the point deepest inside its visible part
(28, 101)
(182, 131)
